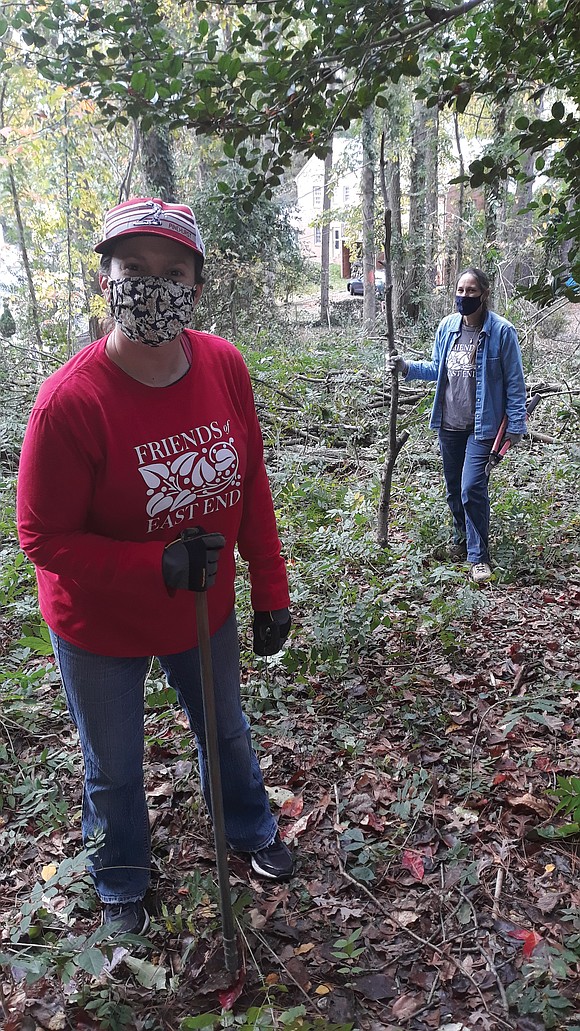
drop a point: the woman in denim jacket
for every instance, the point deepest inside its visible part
(477, 366)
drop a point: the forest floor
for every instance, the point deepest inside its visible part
(415, 774)
(413, 795)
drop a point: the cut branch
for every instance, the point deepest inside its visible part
(395, 442)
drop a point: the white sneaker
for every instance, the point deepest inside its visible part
(480, 572)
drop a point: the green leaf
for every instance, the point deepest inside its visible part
(203, 1020)
(558, 110)
(566, 831)
(139, 80)
(92, 960)
(362, 873)
(147, 974)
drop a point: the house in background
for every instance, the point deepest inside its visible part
(346, 161)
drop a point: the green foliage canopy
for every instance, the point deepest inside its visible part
(280, 78)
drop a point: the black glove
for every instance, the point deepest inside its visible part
(190, 562)
(514, 438)
(398, 364)
(270, 631)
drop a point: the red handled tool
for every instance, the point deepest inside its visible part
(502, 444)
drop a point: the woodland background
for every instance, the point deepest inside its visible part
(419, 736)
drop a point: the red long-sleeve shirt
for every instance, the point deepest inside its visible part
(112, 469)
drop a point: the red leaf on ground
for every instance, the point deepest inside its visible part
(413, 861)
(529, 938)
(229, 996)
(293, 807)
(530, 943)
(514, 650)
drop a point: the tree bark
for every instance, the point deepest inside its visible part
(431, 194)
(460, 216)
(158, 164)
(494, 194)
(415, 280)
(393, 187)
(325, 241)
(368, 218)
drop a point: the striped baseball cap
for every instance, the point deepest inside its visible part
(151, 215)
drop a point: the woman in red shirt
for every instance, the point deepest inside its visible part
(146, 432)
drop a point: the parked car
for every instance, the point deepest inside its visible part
(356, 288)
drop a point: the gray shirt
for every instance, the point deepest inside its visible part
(459, 396)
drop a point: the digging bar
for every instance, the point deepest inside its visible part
(215, 783)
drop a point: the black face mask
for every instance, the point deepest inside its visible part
(467, 305)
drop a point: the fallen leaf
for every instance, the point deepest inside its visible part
(229, 996)
(463, 817)
(413, 861)
(257, 919)
(272, 979)
(323, 989)
(297, 828)
(163, 790)
(529, 938)
(303, 949)
(279, 796)
(375, 987)
(298, 972)
(406, 1006)
(548, 900)
(405, 917)
(48, 871)
(528, 801)
(293, 807)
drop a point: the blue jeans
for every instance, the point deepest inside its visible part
(105, 699)
(464, 462)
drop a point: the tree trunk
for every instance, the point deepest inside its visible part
(13, 188)
(432, 194)
(325, 241)
(458, 231)
(416, 271)
(158, 164)
(494, 194)
(368, 218)
(67, 193)
(519, 271)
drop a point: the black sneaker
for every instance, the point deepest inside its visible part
(125, 918)
(274, 861)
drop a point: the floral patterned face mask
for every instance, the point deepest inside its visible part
(151, 310)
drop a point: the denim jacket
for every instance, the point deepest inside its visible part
(499, 375)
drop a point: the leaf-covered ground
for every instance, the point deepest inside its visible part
(413, 794)
(411, 738)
